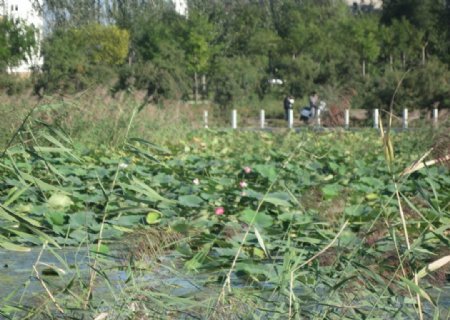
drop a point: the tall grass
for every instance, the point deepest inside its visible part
(96, 118)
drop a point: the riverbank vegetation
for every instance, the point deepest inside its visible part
(249, 224)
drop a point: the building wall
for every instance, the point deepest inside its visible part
(181, 7)
(23, 9)
(377, 4)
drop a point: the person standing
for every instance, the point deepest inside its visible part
(313, 103)
(288, 104)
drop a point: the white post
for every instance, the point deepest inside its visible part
(435, 116)
(291, 118)
(347, 119)
(376, 117)
(318, 117)
(262, 119)
(234, 119)
(205, 118)
(405, 118)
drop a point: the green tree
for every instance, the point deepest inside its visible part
(443, 30)
(237, 80)
(407, 39)
(65, 63)
(315, 29)
(103, 44)
(157, 47)
(198, 46)
(17, 42)
(76, 57)
(363, 35)
(299, 74)
(422, 14)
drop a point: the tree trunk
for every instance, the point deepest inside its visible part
(424, 53)
(203, 86)
(364, 68)
(403, 60)
(391, 62)
(195, 87)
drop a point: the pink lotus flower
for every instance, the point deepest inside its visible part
(247, 169)
(196, 181)
(243, 184)
(220, 211)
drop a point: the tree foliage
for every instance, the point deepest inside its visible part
(237, 46)
(17, 42)
(78, 57)
(103, 44)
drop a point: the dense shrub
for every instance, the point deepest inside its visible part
(420, 87)
(13, 85)
(231, 85)
(79, 57)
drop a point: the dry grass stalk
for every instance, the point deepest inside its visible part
(47, 290)
(435, 265)
(148, 243)
(419, 164)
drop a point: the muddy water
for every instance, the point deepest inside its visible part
(20, 286)
(17, 276)
(17, 268)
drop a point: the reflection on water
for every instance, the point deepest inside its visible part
(17, 272)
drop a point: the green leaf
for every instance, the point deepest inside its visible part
(103, 249)
(151, 145)
(278, 199)
(56, 217)
(260, 219)
(59, 201)
(41, 184)
(4, 243)
(252, 268)
(82, 218)
(190, 201)
(331, 190)
(197, 260)
(356, 210)
(128, 220)
(418, 290)
(10, 215)
(153, 217)
(140, 187)
(261, 241)
(267, 171)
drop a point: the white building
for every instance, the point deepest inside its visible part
(24, 10)
(181, 7)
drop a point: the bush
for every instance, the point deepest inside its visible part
(12, 84)
(237, 80)
(168, 82)
(76, 58)
(422, 87)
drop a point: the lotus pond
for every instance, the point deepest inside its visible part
(226, 225)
